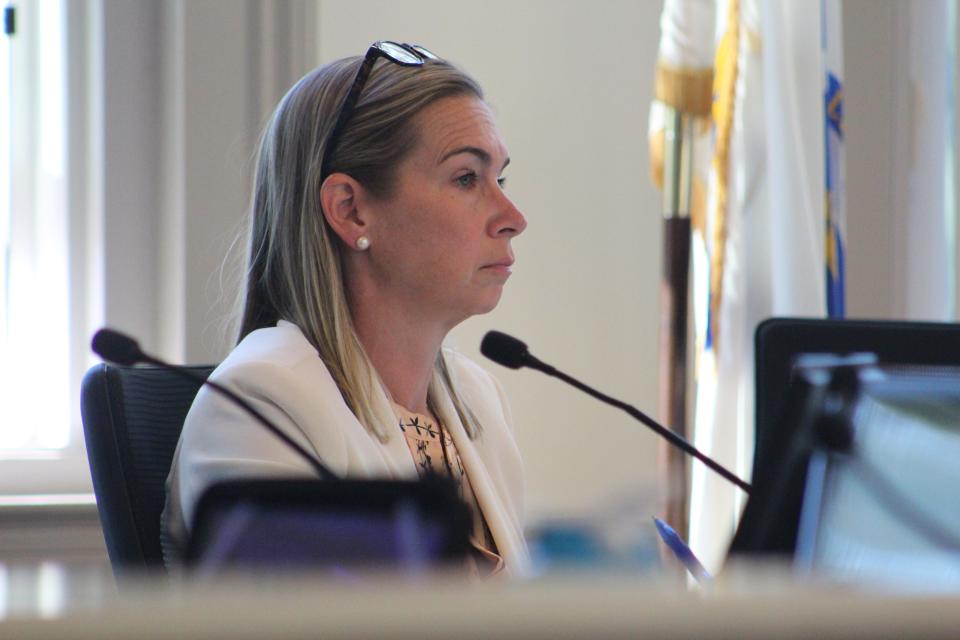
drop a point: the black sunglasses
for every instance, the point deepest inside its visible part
(403, 54)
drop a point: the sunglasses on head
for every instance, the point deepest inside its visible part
(405, 55)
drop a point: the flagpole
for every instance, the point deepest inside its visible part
(679, 117)
(677, 180)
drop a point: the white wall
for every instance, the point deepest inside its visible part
(898, 76)
(570, 83)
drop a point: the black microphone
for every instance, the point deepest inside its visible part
(121, 349)
(513, 353)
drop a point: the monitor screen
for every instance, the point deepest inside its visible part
(328, 526)
(886, 513)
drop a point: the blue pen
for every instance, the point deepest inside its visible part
(683, 553)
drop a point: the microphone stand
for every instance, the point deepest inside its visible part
(513, 353)
(664, 432)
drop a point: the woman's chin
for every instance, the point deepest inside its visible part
(483, 305)
(490, 303)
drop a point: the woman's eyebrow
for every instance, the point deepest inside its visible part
(481, 154)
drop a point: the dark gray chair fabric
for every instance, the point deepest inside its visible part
(132, 418)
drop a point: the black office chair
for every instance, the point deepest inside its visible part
(132, 418)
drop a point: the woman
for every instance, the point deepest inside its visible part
(379, 223)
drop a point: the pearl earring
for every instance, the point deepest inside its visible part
(363, 243)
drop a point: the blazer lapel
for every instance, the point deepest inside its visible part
(502, 524)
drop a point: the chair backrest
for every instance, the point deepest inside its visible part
(132, 418)
(778, 342)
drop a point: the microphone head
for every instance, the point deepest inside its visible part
(116, 347)
(505, 350)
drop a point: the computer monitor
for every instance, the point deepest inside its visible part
(328, 526)
(884, 511)
(780, 405)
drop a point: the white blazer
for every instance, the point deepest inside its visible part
(280, 373)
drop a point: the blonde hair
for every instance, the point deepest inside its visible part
(295, 267)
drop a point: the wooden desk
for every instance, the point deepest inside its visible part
(572, 606)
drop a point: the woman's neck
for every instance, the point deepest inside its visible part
(403, 349)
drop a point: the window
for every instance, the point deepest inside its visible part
(39, 419)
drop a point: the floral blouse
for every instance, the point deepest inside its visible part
(433, 452)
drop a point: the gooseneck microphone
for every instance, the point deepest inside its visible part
(121, 349)
(513, 353)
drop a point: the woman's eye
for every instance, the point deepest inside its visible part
(467, 179)
(502, 181)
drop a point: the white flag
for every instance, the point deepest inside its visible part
(761, 252)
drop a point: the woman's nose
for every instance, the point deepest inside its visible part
(510, 220)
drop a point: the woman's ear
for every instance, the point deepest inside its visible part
(342, 197)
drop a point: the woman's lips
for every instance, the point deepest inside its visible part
(503, 267)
